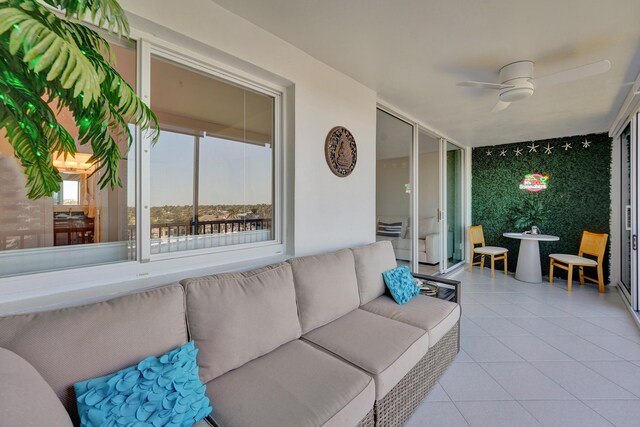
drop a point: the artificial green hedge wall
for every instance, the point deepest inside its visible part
(577, 197)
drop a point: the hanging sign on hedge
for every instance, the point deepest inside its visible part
(534, 182)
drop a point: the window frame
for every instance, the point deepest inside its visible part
(148, 270)
(148, 48)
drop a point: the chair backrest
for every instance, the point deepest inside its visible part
(476, 236)
(593, 244)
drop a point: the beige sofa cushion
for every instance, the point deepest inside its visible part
(295, 385)
(237, 317)
(25, 397)
(371, 261)
(77, 343)
(384, 348)
(434, 315)
(326, 287)
(427, 225)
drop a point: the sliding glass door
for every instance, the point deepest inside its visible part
(428, 203)
(394, 145)
(452, 192)
(419, 195)
(629, 212)
(625, 200)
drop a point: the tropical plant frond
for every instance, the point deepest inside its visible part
(36, 35)
(49, 63)
(104, 13)
(42, 178)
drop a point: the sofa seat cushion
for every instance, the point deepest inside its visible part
(384, 348)
(25, 397)
(237, 317)
(294, 385)
(73, 344)
(371, 261)
(326, 287)
(434, 315)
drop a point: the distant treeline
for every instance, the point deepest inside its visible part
(183, 214)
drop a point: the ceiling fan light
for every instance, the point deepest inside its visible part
(515, 94)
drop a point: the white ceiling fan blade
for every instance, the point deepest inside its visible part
(484, 85)
(573, 74)
(501, 105)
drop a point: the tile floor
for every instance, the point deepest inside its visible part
(535, 355)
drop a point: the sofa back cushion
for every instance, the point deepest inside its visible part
(237, 317)
(77, 343)
(326, 287)
(371, 261)
(25, 397)
(426, 226)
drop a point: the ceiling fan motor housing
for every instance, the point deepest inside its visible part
(519, 75)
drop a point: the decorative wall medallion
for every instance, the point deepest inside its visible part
(340, 151)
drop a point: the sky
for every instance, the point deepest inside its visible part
(230, 172)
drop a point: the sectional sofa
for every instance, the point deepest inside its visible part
(314, 341)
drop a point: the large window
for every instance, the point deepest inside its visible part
(80, 225)
(212, 180)
(210, 183)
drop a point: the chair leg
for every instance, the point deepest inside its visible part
(493, 267)
(551, 271)
(505, 264)
(471, 263)
(600, 279)
(581, 275)
(569, 277)
(482, 262)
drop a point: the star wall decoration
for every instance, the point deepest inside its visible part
(503, 152)
(547, 149)
(518, 151)
(489, 152)
(566, 146)
(586, 143)
(533, 148)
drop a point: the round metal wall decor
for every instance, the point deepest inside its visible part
(340, 151)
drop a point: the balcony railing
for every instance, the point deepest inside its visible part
(220, 226)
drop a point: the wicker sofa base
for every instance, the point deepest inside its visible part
(367, 421)
(397, 406)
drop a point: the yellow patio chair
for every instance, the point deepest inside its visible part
(476, 236)
(592, 244)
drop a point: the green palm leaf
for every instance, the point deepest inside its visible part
(104, 13)
(33, 32)
(43, 59)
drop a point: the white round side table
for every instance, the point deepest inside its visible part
(528, 268)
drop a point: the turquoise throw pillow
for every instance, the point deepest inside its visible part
(401, 285)
(164, 391)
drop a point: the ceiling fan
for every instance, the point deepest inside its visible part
(517, 81)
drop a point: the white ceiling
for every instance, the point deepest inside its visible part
(413, 52)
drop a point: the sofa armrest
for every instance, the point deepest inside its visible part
(25, 395)
(442, 282)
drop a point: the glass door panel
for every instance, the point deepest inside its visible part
(394, 143)
(428, 240)
(453, 191)
(625, 200)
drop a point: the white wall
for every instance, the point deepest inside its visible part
(324, 212)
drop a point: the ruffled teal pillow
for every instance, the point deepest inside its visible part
(163, 391)
(401, 285)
